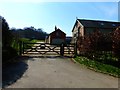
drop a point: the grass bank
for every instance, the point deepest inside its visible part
(97, 66)
(16, 46)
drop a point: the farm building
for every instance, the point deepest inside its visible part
(68, 39)
(56, 37)
(84, 27)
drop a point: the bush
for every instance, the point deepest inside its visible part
(7, 37)
(116, 42)
(96, 41)
(98, 46)
(7, 54)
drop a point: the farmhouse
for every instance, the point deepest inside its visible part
(84, 27)
(56, 37)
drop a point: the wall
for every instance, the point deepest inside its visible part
(77, 31)
(57, 38)
(91, 30)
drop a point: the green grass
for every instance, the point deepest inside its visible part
(34, 40)
(26, 40)
(15, 43)
(97, 66)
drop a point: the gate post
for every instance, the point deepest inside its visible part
(20, 48)
(62, 49)
(23, 47)
(75, 48)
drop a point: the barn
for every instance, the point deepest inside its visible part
(56, 37)
(85, 27)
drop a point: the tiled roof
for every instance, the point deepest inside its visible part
(99, 23)
(57, 31)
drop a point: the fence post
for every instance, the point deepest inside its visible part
(62, 49)
(75, 48)
(20, 48)
(23, 47)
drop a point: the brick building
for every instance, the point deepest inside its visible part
(56, 37)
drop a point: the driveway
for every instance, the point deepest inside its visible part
(61, 72)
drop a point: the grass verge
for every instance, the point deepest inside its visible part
(97, 66)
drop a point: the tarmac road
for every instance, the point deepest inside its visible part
(61, 72)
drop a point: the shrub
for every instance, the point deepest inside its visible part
(96, 41)
(98, 46)
(116, 42)
(7, 54)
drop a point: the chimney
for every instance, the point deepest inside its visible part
(55, 28)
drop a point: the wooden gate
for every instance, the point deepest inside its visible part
(47, 49)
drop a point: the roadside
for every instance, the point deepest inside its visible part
(11, 72)
(97, 66)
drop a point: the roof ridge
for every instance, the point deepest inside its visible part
(99, 20)
(57, 30)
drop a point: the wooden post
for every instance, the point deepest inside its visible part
(62, 50)
(75, 48)
(20, 48)
(23, 47)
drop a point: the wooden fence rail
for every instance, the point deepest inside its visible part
(44, 48)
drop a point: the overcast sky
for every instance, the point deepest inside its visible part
(46, 15)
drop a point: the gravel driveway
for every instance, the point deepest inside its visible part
(61, 72)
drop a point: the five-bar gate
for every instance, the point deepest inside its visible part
(48, 49)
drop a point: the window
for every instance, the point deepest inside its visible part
(75, 35)
(102, 24)
(57, 34)
(113, 25)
